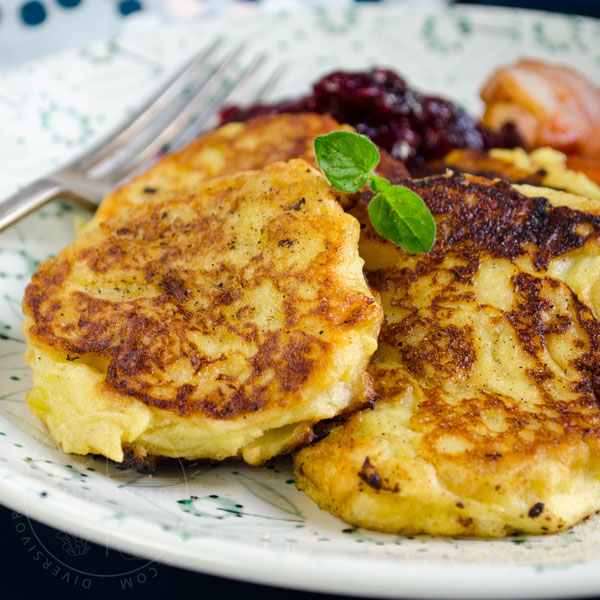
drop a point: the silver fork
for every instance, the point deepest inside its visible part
(178, 113)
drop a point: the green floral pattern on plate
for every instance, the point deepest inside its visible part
(204, 516)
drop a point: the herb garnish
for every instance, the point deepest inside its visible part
(397, 213)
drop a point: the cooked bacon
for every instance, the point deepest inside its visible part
(551, 105)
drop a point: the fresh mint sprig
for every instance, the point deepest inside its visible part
(398, 214)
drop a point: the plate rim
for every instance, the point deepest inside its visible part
(365, 576)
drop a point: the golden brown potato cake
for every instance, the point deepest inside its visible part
(223, 321)
(481, 162)
(543, 166)
(229, 149)
(488, 372)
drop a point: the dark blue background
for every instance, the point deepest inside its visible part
(590, 8)
(29, 572)
(31, 567)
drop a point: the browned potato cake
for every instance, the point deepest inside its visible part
(222, 321)
(543, 166)
(230, 149)
(488, 372)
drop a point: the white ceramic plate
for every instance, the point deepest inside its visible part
(234, 520)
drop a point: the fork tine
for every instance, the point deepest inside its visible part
(202, 119)
(137, 154)
(148, 112)
(271, 83)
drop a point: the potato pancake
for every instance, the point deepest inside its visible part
(227, 150)
(220, 321)
(543, 166)
(488, 371)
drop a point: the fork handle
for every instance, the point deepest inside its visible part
(27, 199)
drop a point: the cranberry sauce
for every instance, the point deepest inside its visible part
(412, 126)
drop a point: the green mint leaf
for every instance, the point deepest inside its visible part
(400, 215)
(378, 184)
(346, 159)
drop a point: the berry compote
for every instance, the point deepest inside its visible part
(413, 127)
